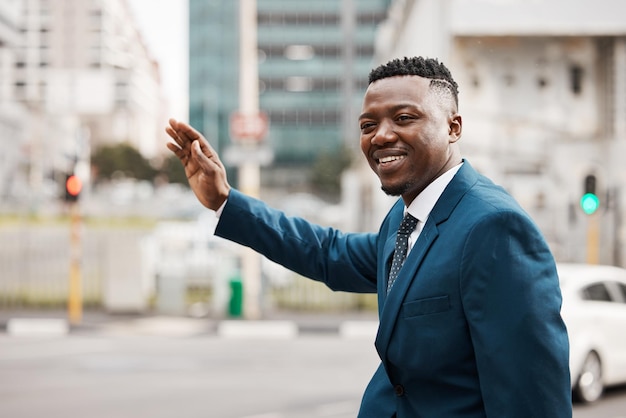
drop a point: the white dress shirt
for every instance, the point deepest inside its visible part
(423, 204)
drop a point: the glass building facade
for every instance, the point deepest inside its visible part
(314, 59)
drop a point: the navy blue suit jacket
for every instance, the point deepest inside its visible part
(472, 326)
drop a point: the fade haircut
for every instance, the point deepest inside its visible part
(439, 75)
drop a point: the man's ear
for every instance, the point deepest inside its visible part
(455, 127)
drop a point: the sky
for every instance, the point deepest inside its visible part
(163, 24)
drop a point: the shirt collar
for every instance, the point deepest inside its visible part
(423, 204)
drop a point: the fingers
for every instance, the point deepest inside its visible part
(182, 133)
(205, 155)
(175, 149)
(188, 142)
(173, 131)
(199, 156)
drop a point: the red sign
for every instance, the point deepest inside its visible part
(249, 127)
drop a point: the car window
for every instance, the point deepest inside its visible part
(622, 288)
(597, 292)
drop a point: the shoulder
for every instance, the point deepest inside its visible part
(480, 191)
(393, 217)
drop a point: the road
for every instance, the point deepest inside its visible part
(122, 376)
(321, 376)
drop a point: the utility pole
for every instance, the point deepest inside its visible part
(73, 187)
(593, 238)
(75, 299)
(249, 167)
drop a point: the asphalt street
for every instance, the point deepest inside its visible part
(172, 367)
(151, 376)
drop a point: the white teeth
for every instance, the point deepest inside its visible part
(389, 159)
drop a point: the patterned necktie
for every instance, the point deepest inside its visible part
(407, 226)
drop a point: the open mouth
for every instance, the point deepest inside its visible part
(390, 159)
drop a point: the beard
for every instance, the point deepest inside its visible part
(397, 189)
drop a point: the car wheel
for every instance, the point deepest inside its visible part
(589, 386)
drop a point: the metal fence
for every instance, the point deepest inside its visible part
(35, 263)
(116, 261)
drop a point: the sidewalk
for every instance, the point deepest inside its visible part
(273, 325)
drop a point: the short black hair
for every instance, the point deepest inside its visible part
(423, 67)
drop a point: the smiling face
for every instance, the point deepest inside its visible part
(409, 131)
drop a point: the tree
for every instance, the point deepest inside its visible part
(327, 170)
(174, 171)
(121, 158)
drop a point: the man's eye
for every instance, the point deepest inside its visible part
(366, 125)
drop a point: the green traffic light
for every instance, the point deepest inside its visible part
(589, 203)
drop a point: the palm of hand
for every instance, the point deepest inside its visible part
(204, 170)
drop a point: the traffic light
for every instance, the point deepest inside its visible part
(589, 202)
(73, 186)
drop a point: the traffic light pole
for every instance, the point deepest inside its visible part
(593, 238)
(75, 303)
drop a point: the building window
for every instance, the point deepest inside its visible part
(299, 84)
(372, 18)
(576, 78)
(271, 19)
(299, 52)
(542, 82)
(305, 117)
(296, 83)
(20, 89)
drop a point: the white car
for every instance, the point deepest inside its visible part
(594, 310)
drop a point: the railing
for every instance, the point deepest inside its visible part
(35, 269)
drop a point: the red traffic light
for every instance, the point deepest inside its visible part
(73, 186)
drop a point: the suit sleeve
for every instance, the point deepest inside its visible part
(344, 262)
(512, 301)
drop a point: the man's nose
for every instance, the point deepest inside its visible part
(385, 133)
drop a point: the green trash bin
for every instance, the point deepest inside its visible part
(235, 305)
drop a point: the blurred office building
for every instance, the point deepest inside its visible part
(543, 95)
(86, 78)
(12, 113)
(314, 58)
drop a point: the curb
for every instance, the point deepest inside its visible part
(37, 327)
(258, 329)
(168, 326)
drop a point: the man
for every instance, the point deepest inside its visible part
(470, 324)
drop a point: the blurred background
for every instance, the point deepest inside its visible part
(97, 220)
(88, 86)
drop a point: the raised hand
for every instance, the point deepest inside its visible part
(205, 172)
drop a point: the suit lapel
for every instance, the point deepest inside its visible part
(442, 210)
(388, 254)
(393, 301)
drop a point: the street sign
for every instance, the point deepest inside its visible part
(239, 154)
(249, 127)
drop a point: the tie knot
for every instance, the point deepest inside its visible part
(408, 224)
